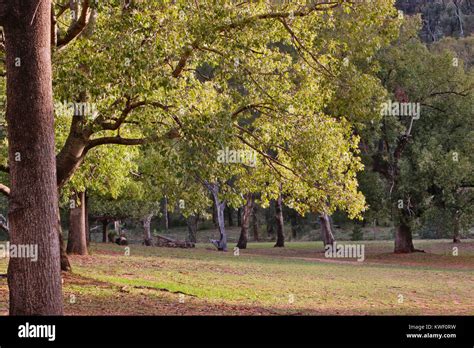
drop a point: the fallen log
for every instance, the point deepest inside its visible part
(163, 241)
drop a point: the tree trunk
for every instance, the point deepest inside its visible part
(403, 239)
(105, 223)
(192, 223)
(148, 241)
(34, 287)
(279, 223)
(77, 240)
(244, 231)
(255, 222)
(64, 260)
(219, 207)
(326, 230)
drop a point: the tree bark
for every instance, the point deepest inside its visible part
(246, 213)
(77, 239)
(279, 223)
(34, 287)
(192, 223)
(148, 241)
(403, 239)
(219, 207)
(255, 222)
(326, 230)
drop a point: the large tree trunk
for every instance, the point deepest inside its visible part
(255, 222)
(77, 239)
(326, 230)
(279, 223)
(403, 239)
(192, 222)
(34, 287)
(148, 241)
(246, 213)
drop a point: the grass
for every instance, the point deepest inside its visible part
(262, 280)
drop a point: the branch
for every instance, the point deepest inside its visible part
(77, 26)
(114, 140)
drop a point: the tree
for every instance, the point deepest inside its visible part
(34, 287)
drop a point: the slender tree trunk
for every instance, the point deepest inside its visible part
(192, 223)
(34, 287)
(326, 230)
(279, 223)
(148, 241)
(246, 213)
(64, 260)
(105, 223)
(255, 222)
(77, 240)
(220, 206)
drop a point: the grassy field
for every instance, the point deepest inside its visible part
(262, 280)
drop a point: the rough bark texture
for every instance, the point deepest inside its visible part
(326, 230)
(34, 287)
(246, 213)
(77, 239)
(192, 223)
(279, 223)
(147, 240)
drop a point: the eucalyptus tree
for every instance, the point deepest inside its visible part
(425, 157)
